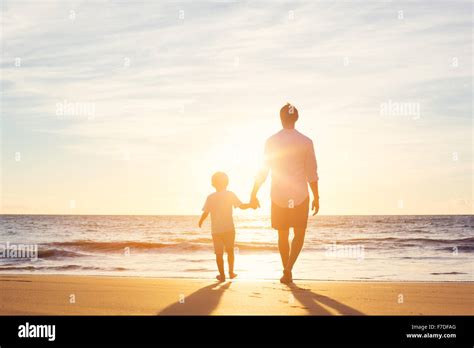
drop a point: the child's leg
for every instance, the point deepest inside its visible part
(220, 264)
(219, 251)
(229, 247)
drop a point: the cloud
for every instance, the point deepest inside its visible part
(160, 79)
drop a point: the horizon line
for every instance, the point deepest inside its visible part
(266, 215)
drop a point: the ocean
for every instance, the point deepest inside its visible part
(370, 248)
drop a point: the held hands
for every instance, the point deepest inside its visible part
(254, 203)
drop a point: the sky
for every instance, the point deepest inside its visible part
(128, 107)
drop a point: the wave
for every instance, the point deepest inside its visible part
(80, 248)
(50, 254)
(57, 254)
(458, 248)
(468, 240)
(60, 268)
(120, 246)
(198, 270)
(194, 240)
(90, 245)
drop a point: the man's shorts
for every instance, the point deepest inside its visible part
(223, 240)
(296, 217)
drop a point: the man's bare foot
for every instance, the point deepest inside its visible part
(287, 277)
(220, 277)
(232, 275)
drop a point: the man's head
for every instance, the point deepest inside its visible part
(220, 180)
(288, 116)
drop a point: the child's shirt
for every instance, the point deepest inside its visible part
(220, 205)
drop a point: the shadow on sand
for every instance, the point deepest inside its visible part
(315, 304)
(202, 302)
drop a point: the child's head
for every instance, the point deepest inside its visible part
(220, 180)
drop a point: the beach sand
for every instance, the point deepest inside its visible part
(99, 295)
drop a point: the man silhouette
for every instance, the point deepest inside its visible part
(290, 157)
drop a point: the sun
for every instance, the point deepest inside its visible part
(240, 156)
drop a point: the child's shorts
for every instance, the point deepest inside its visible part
(223, 240)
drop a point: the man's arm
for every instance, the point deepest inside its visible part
(260, 178)
(203, 217)
(238, 204)
(311, 167)
(314, 188)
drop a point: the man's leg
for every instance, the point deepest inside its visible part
(296, 246)
(284, 246)
(230, 260)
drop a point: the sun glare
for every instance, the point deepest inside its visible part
(240, 157)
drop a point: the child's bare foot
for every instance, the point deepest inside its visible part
(220, 277)
(232, 275)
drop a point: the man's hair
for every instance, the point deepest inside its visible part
(220, 179)
(288, 113)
